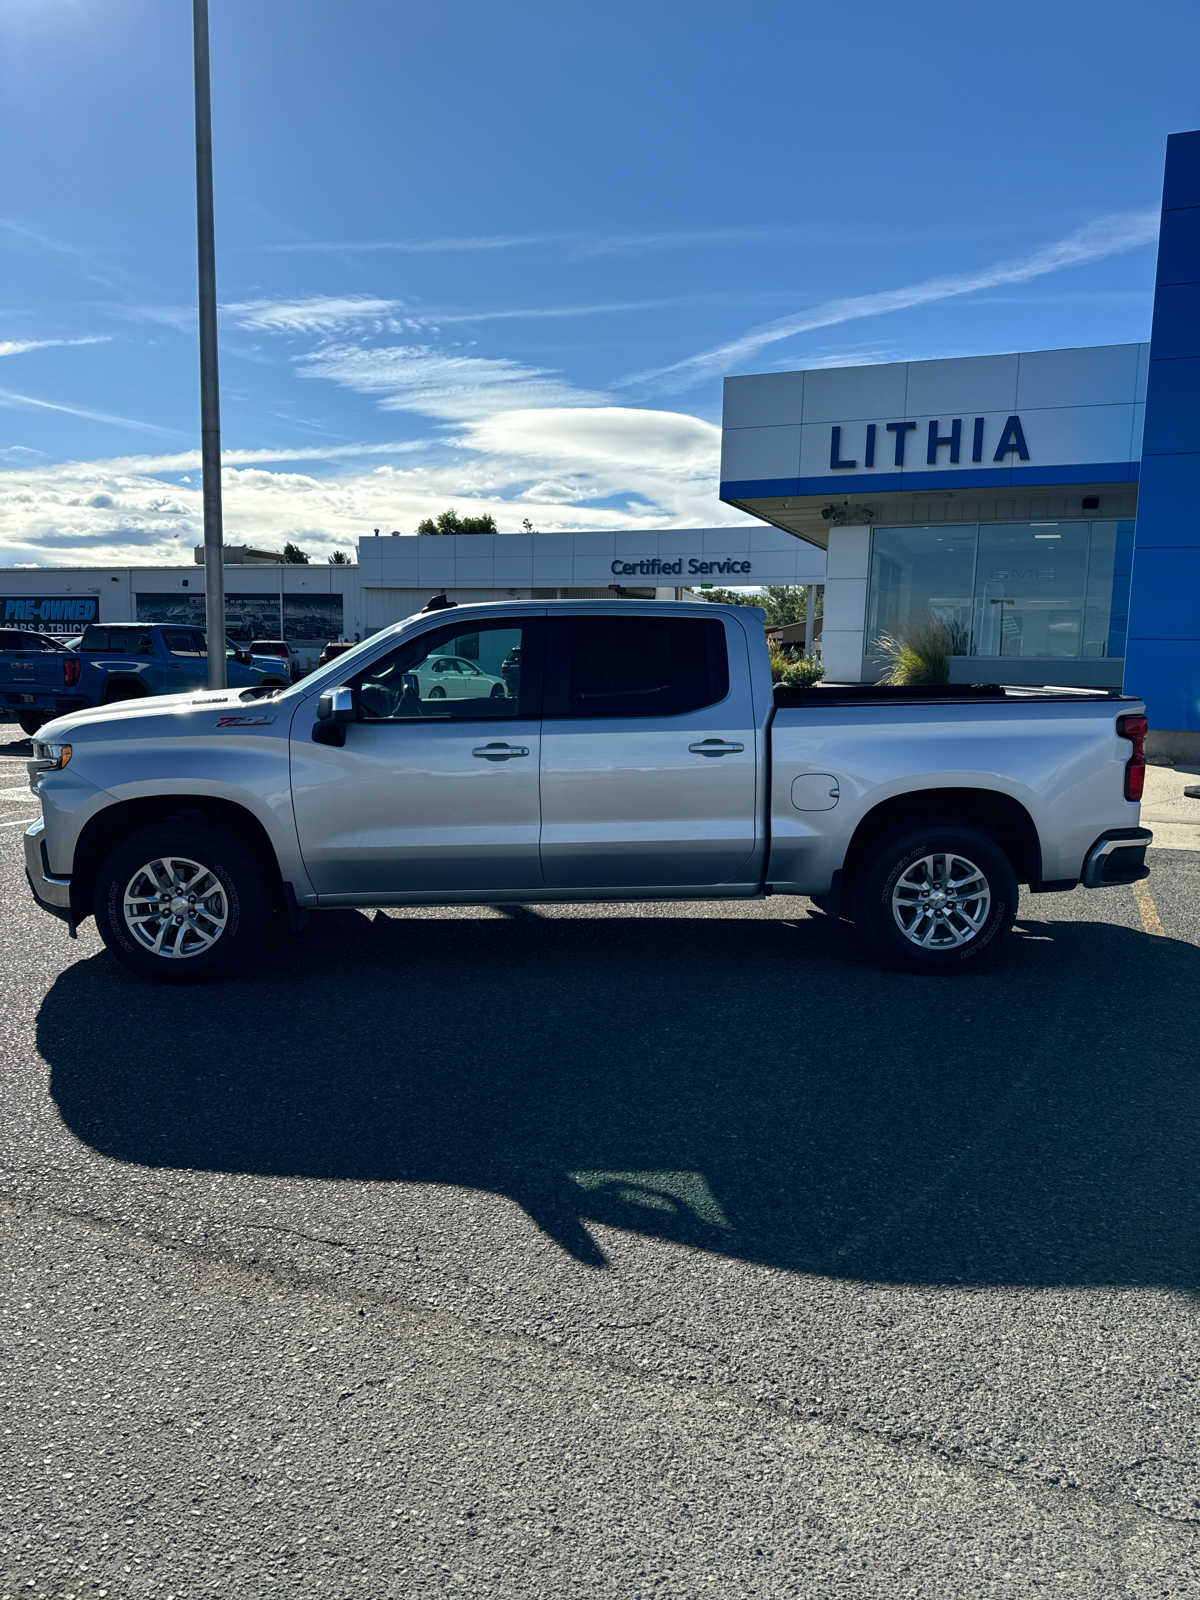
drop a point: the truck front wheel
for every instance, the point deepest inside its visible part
(181, 901)
(937, 898)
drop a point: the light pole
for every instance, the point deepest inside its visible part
(210, 386)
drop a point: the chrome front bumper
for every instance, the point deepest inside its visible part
(1117, 857)
(51, 893)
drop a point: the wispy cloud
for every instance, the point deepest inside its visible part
(322, 316)
(12, 401)
(578, 242)
(1107, 236)
(84, 260)
(19, 347)
(452, 388)
(189, 460)
(319, 315)
(691, 238)
(446, 245)
(601, 309)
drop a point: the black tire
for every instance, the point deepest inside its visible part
(30, 724)
(243, 884)
(879, 925)
(437, 692)
(499, 692)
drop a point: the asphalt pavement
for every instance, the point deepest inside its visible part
(618, 1251)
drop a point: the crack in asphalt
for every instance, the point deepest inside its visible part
(1049, 1492)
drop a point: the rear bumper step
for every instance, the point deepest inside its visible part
(1117, 857)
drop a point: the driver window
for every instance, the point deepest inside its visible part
(469, 673)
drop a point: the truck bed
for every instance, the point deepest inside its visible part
(834, 694)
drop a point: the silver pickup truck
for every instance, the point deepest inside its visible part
(577, 750)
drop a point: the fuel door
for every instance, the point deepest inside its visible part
(815, 791)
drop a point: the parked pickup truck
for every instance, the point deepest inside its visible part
(39, 678)
(115, 661)
(630, 750)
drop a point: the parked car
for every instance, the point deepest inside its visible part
(456, 678)
(335, 647)
(277, 650)
(118, 661)
(646, 756)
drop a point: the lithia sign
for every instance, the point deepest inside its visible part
(1011, 442)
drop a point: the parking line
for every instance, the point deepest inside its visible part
(1147, 910)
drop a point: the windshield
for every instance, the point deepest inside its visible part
(335, 672)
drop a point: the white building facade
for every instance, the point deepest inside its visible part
(395, 576)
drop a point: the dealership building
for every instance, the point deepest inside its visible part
(396, 574)
(1040, 505)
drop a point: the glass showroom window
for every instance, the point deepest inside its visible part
(916, 572)
(1035, 590)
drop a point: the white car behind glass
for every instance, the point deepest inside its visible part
(456, 678)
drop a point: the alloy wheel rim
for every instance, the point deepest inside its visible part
(941, 901)
(175, 907)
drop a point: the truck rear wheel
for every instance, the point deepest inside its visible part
(938, 898)
(30, 723)
(182, 901)
(123, 689)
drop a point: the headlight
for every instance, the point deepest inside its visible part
(51, 757)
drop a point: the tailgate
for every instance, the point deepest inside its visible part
(29, 676)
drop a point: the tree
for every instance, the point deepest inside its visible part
(732, 597)
(339, 558)
(527, 526)
(783, 602)
(449, 521)
(294, 556)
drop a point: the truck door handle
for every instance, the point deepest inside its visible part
(499, 752)
(716, 747)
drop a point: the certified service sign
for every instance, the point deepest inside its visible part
(48, 613)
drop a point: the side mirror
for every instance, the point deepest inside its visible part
(337, 706)
(335, 709)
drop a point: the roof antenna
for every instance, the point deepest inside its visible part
(437, 602)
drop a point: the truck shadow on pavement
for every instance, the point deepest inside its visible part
(743, 1084)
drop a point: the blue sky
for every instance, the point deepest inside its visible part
(501, 257)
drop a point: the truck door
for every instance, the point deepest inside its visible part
(431, 793)
(185, 662)
(649, 775)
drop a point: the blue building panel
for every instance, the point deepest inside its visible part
(1179, 246)
(1181, 176)
(1172, 407)
(1165, 600)
(738, 489)
(1176, 320)
(1162, 657)
(1166, 509)
(1165, 673)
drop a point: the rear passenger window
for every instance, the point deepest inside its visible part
(181, 641)
(641, 667)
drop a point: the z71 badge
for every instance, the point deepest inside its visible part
(244, 722)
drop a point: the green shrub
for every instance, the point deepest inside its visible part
(921, 652)
(795, 670)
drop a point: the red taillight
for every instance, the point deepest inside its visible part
(1134, 729)
(71, 671)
